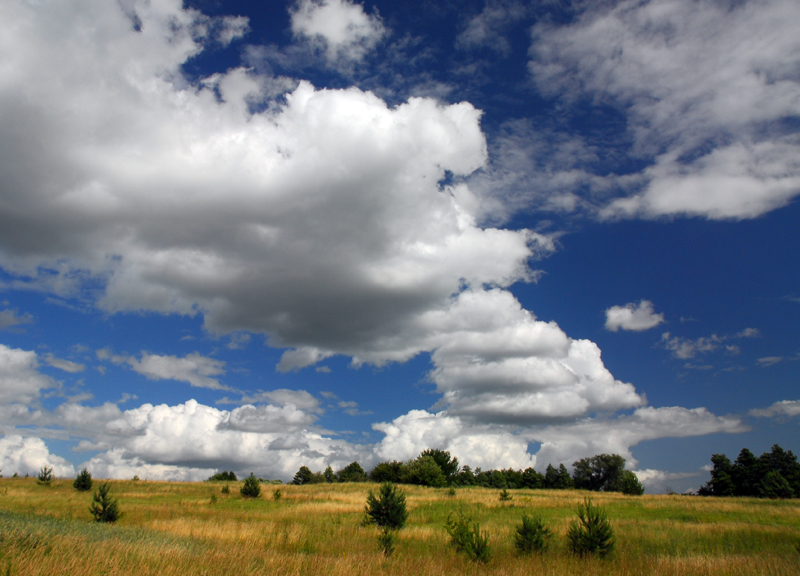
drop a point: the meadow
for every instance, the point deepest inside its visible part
(171, 528)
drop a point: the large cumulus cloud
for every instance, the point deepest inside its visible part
(497, 446)
(319, 222)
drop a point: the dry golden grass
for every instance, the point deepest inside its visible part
(178, 529)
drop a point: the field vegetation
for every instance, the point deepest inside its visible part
(170, 528)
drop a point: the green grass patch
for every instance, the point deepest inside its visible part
(175, 529)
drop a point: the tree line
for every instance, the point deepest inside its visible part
(437, 468)
(774, 474)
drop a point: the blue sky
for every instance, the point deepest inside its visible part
(255, 236)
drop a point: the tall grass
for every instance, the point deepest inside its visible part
(175, 529)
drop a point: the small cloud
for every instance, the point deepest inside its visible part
(782, 408)
(698, 366)
(340, 28)
(632, 316)
(733, 369)
(656, 481)
(65, 365)
(195, 369)
(299, 399)
(10, 319)
(749, 333)
(489, 27)
(329, 395)
(685, 348)
(238, 340)
(323, 370)
(769, 361)
(351, 408)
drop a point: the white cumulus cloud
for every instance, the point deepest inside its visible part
(408, 435)
(569, 442)
(660, 481)
(187, 440)
(344, 29)
(332, 185)
(497, 363)
(28, 456)
(633, 316)
(20, 379)
(781, 408)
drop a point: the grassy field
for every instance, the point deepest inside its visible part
(193, 528)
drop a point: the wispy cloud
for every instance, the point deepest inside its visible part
(686, 348)
(11, 318)
(714, 131)
(769, 360)
(66, 365)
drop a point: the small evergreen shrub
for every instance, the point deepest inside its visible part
(468, 539)
(83, 482)
(532, 535)
(388, 509)
(451, 491)
(388, 512)
(45, 476)
(251, 487)
(104, 508)
(226, 489)
(592, 534)
(135, 478)
(505, 496)
(277, 495)
(479, 551)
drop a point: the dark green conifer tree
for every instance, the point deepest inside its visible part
(83, 482)
(251, 487)
(104, 508)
